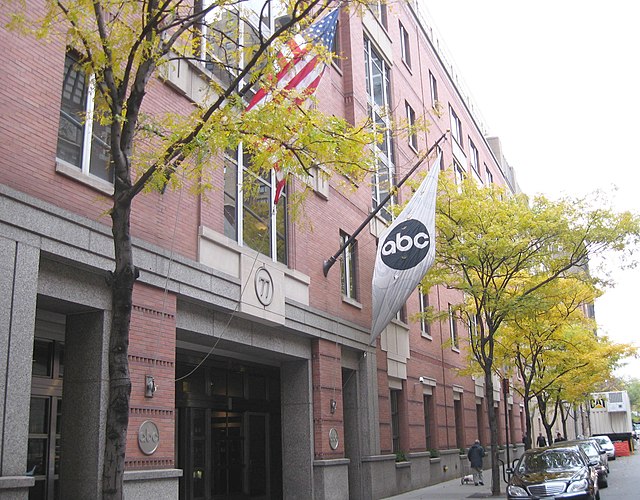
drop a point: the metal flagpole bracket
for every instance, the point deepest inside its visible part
(326, 265)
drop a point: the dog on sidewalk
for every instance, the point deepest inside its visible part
(468, 479)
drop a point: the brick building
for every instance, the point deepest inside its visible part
(236, 394)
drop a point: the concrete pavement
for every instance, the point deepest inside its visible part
(453, 490)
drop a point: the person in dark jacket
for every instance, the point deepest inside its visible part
(541, 441)
(475, 454)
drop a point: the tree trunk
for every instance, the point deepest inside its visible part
(117, 422)
(493, 431)
(528, 438)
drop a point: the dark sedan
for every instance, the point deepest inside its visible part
(596, 454)
(558, 473)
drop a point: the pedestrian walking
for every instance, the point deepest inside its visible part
(541, 441)
(475, 454)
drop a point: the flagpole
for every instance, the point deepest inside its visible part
(332, 260)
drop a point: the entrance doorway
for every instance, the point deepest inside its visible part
(228, 431)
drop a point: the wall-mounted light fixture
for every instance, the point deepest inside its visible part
(334, 405)
(149, 386)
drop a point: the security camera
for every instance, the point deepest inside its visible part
(422, 380)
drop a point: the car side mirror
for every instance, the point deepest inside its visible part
(603, 452)
(593, 463)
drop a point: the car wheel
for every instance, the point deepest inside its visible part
(604, 483)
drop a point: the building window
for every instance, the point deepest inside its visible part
(379, 11)
(473, 157)
(425, 326)
(429, 422)
(458, 417)
(394, 397)
(336, 48)
(456, 126)
(249, 217)
(411, 122)
(489, 175)
(473, 326)
(440, 155)
(378, 92)
(83, 142)
(453, 328)
(458, 172)
(434, 89)
(401, 315)
(348, 264)
(404, 46)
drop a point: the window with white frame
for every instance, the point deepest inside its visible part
(453, 328)
(401, 315)
(83, 141)
(434, 89)
(249, 215)
(489, 174)
(229, 32)
(456, 126)
(348, 264)
(473, 157)
(336, 48)
(440, 155)
(405, 47)
(425, 325)
(379, 10)
(458, 172)
(411, 122)
(473, 326)
(378, 94)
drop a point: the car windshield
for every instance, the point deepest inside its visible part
(603, 440)
(589, 449)
(549, 460)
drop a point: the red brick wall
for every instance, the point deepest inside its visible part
(152, 352)
(30, 93)
(326, 373)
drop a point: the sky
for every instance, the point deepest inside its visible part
(559, 83)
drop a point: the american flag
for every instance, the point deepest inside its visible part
(299, 69)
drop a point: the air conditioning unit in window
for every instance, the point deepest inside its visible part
(617, 402)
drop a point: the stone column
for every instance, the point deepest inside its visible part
(297, 435)
(19, 265)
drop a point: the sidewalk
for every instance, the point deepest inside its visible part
(453, 490)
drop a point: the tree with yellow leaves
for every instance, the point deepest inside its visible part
(124, 47)
(554, 351)
(500, 250)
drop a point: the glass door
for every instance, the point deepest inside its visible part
(257, 452)
(45, 419)
(228, 454)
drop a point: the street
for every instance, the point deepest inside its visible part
(624, 478)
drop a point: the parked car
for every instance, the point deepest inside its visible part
(606, 445)
(596, 455)
(559, 472)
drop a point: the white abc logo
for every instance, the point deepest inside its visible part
(404, 243)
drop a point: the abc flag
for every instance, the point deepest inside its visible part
(405, 252)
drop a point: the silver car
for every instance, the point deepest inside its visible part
(606, 444)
